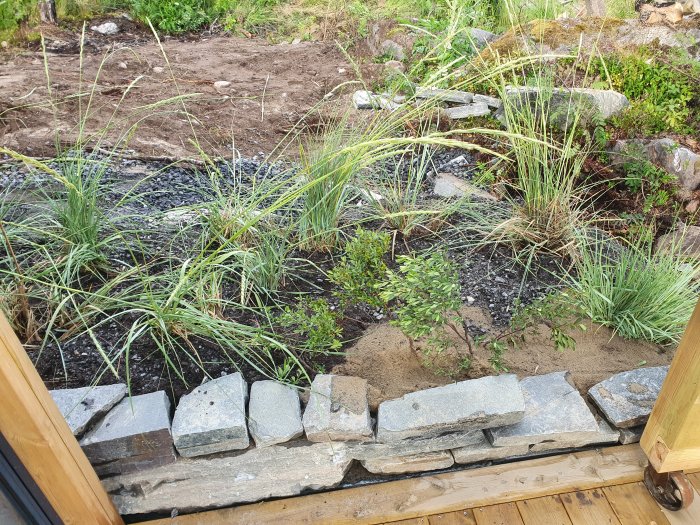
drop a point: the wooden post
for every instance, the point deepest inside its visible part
(39, 435)
(671, 439)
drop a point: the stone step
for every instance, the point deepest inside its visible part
(134, 435)
(467, 405)
(407, 464)
(203, 483)
(274, 413)
(212, 418)
(626, 399)
(338, 410)
(84, 406)
(554, 411)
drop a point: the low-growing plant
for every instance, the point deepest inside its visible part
(362, 269)
(638, 292)
(644, 177)
(315, 326)
(173, 17)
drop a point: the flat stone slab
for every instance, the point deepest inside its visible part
(338, 410)
(204, 483)
(627, 398)
(212, 417)
(483, 450)
(492, 102)
(419, 445)
(363, 99)
(274, 413)
(606, 436)
(554, 411)
(448, 185)
(605, 101)
(631, 435)
(475, 109)
(467, 405)
(414, 463)
(83, 406)
(134, 435)
(444, 95)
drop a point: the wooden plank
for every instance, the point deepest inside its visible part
(460, 517)
(39, 435)
(689, 516)
(548, 510)
(413, 521)
(671, 440)
(447, 492)
(633, 505)
(589, 507)
(503, 514)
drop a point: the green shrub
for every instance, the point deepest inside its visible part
(314, 324)
(642, 176)
(173, 17)
(362, 268)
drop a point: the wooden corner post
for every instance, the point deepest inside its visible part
(39, 436)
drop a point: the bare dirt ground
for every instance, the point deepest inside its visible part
(271, 88)
(383, 357)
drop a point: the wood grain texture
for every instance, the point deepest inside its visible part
(460, 517)
(440, 493)
(671, 439)
(633, 505)
(589, 507)
(503, 514)
(39, 435)
(548, 510)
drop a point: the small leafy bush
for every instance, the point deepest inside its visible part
(426, 291)
(314, 324)
(173, 17)
(642, 176)
(362, 268)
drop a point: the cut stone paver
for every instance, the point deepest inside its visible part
(212, 417)
(606, 435)
(363, 99)
(483, 450)
(627, 398)
(631, 435)
(492, 102)
(338, 409)
(274, 413)
(448, 185)
(134, 435)
(414, 463)
(467, 405)
(476, 109)
(261, 473)
(83, 406)
(444, 95)
(418, 445)
(554, 411)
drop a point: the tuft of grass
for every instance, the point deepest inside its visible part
(639, 293)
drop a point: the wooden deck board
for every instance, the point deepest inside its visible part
(633, 505)
(503, 514)
(548, 510)
(589, 507)
(460, 517)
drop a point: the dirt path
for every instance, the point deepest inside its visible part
(271, 88)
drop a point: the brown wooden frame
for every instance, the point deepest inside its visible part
(39, 435)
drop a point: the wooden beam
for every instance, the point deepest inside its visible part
(671, 439)
(440, 493)
(39, 435)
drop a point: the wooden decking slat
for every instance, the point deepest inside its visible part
(689, 516)
(589, 507)
(633, 505)
(503, 514)
(548, 510)
(460, 517)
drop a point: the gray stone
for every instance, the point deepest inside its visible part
(467, 405)
(685, 240)
(491, 102)
(482, 38)
(627, 398)
(212, 417)
(393, 50)
(631, 435)
(444, 95)
(274, 413)
(418, 445)
(363, 99)
(338, 410)
(606, 435)
(448, 185)
(475, 109)
(554, 411)
(604, 101)
(83, 406)
(134, 435)
(406, 464)
(483, 450)
(395, 66)
(222, 84)
(108, 28)
(203, 483)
